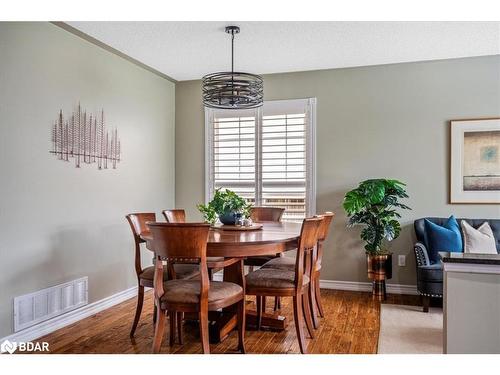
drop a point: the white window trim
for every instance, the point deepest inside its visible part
(311, 153)
(208, 147)
(312, 158)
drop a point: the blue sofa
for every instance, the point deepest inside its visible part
(430, 274)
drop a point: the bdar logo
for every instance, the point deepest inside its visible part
(8, 346)
(12, 346)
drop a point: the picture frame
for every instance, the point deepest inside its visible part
(475, 161)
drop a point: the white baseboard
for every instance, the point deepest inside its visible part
(51, 325)
(358, 286)
(355, 286)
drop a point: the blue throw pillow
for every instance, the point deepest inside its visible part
(443, 238)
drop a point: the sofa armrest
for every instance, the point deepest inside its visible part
(421, 254)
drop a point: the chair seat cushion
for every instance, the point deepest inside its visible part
(281, 263)
(430, 280)
(188, 291)
(271, 278)
(182, 271)
(433, 272)
(258, 261)
(186, 271)
(148, 273)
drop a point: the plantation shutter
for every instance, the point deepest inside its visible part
(266, 155)
(231, 159)
(286, 158)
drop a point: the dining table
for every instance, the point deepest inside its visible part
(223, 246)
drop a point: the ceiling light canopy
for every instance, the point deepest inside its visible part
(232, 90)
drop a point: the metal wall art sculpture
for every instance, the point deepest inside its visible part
(84, 138)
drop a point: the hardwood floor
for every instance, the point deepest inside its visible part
(351, 325)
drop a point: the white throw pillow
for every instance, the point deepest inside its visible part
(480, 240)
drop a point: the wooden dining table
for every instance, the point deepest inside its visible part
(272, 238)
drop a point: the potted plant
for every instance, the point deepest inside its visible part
(227, 206)
(373, 204)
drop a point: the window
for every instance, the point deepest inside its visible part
(265, 155)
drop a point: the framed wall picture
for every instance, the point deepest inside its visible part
(475, 161)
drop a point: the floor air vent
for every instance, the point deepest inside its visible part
(33, 308)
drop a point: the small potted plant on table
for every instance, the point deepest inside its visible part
(227, 206)
(373, 204)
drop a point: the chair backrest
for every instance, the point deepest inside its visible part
(175, 215)
(307, 242)
(270, 214)
(323, 231)
(137, 223)
(325, 225)
(180, 243)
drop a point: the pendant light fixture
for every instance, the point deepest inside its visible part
(232, 90)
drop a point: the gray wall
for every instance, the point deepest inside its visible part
(378, 121)
(57, 222)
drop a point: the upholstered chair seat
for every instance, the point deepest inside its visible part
(282, 263)
(430, 279)
(188, 291)
(271, 278)
(182, 271)
(431, 272)
(148, 274)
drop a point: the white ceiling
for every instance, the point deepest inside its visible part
(188, 50)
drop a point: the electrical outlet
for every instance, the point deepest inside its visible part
(402, 260)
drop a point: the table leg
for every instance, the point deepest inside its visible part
(273, 321)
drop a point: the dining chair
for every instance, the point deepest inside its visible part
(288, 263)
(187, 243)
(285, 283)
(175, 215)
(316, 305)
(145, 276)
(178, 215)
(270, 215)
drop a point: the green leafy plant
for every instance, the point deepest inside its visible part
(209, 214)
(224, 202)
(373, 204)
